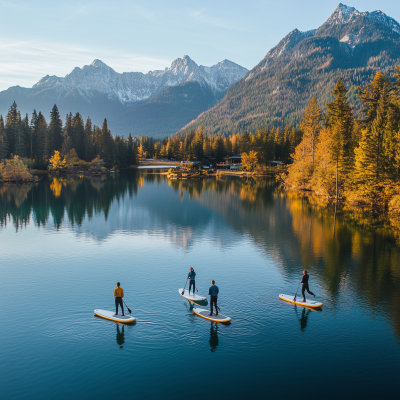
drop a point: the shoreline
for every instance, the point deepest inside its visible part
(342, 200)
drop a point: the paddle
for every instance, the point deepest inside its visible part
(296, 292)
(129, 310)
(183, 291)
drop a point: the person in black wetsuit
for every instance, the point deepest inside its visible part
(213, 292)
(305, 287)
(192, 277)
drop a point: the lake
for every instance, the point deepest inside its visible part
(66, 241)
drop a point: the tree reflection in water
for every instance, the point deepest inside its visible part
(348, 248)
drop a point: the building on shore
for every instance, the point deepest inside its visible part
(233, 160)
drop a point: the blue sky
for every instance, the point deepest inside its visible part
(52, 37)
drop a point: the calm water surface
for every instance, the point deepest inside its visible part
(65, 242)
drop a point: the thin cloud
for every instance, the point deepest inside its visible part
(201, 17)
(23, 63)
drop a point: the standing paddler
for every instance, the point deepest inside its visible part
(213, 292)
(305, 287)
(118, 294)
(192, 277)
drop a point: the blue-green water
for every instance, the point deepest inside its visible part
(65, 242)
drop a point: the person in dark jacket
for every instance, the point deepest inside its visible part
(213, 292)
(305, 287)
(192, 277)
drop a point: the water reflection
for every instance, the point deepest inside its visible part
(347, 248)
(214, 341)
(120, 335)
(303, 317)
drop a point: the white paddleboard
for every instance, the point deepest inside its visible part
(126, 319)
(191, 296)
(299, 301)
(222, 319)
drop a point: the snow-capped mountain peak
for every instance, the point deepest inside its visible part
(346, 24)
(98, 63)
(130, 87)
(344, 15)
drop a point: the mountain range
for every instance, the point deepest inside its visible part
(155, 104)
(351, 44)
(226, 97)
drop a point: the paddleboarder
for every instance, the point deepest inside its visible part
(213, 292)
(118, 294)
(192, 277)
(305, 287)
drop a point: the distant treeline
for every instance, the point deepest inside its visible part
(269, 143)
(36, 139)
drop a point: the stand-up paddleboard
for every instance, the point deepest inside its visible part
(126, 319)
(222, 319)
(191, 296)
(307, 303)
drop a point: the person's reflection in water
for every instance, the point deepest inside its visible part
(304, 319)
(214, 341)
(120, 336)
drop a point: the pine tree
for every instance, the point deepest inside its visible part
(26, 134)
(368, 174)
(340, 121)
(78, 135)
(32, 136)
(106, 145)
(311, 127)
(370, 95)
(12, 128)
(3, 141)
(41, 139)
(55, 131)
(245, 142)
(68, 142)
(218, 149)
(88, 140)
(131, 156)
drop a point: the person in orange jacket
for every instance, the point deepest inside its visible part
(118, 294)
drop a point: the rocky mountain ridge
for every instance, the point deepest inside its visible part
(351, 44)
(131, 87)
(96, 90)
(343, 24)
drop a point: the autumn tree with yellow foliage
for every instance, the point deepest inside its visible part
(56, 161)
(15, 171)
(249, 160)
(359, 159)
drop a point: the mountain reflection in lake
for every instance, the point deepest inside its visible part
(65, 241)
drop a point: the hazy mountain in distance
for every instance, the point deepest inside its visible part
(96, 90)
(351, 44)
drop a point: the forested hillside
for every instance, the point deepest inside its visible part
(355, 159)
(350, 45)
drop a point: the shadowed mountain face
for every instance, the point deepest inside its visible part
(98, 91)
(350, 44)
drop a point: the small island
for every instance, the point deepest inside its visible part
(189, 170)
